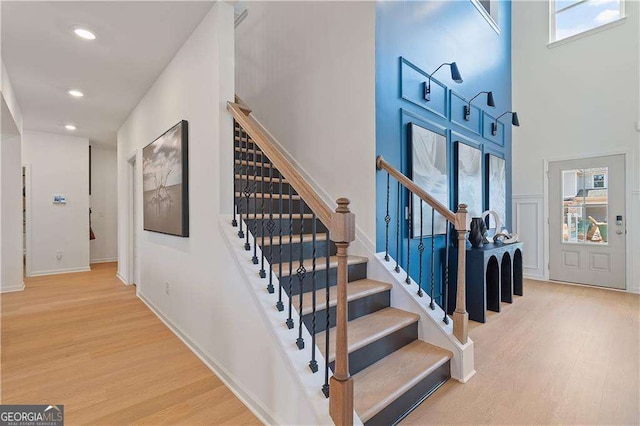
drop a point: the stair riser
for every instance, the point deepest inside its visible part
(405, 404)
(356, 272)
(248, 169)
(375, 351)
(255, 205)
(357, 308)
(285, 226)
(296, 248)
(239, 186)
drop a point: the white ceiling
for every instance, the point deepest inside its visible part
(135, 42)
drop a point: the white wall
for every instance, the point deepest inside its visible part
(307, 70)
(10, 189)
(580, 98)
(206, 302)
(104, 203)
(59, 165)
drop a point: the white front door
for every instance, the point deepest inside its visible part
(587, 231)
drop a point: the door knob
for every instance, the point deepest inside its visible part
(619, 232)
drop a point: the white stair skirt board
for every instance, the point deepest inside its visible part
(59, 271)
(431, 328)
(13, 289)
(310, 383)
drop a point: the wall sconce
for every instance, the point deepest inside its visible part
(455, 76)
(514, 121)
(467, 108)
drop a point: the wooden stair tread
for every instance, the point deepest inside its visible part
(367, 329)
(355, 290)
(306, 238)
(260, 178)
(275, 216)
(380, 384)
(320, 263)
(264, 195)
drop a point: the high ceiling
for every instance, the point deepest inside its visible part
(44, 58)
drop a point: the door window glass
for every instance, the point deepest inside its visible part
(585, 201)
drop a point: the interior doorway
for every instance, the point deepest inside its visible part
(133, 233)
(587, 223)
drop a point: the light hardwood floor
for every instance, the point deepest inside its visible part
(561, 354)
(86, 341)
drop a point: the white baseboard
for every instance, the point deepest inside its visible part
(105, 260)
(60, 271)
(536, 277)
(223, 374)
(118, 276)
(13, 289)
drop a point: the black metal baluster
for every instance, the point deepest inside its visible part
(239, 193)
(313, 364)
(254, 259)
(325, 387)
(247, 190)
(432, 305)
(270, 227)
(280, 305)
(302, 273)
(234, 222)
(263, 274)
(420, 252)
(409, 232)
(290, 319)
(399, 214)
(387, 220)
(445, 290)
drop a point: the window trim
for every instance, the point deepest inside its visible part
(486, 15)
(552, 24)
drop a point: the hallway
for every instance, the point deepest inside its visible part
(86, 341)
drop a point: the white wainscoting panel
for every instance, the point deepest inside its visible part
(528, 223)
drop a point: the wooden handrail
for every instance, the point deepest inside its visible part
(411, 186)
(268, 146)
(459, 221)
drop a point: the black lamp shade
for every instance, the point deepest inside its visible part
(455, 73)
(490, 101)
(514, 119)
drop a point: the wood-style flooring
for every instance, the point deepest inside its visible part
(86, 341)
(562, 354)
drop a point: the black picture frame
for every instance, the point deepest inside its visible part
(159, 209)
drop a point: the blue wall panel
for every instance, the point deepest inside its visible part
(412, 39)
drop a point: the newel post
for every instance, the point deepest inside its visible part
(343, 231)
(460, 315)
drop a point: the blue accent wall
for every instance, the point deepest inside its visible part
(412, 39)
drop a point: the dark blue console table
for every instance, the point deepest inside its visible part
(494, 275)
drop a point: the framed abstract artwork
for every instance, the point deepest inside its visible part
(496, 180)
(468, 160)
(429, 170)
(165, 168)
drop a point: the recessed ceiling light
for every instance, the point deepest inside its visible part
(84, 33)
(70, 127)
(75, 93)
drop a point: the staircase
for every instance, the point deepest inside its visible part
(376, 346)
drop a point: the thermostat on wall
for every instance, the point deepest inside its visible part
(59, 199)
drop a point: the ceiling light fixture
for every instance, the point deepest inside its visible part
(70, 127)
(75, 93)
(84, 33)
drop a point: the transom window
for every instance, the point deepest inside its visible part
(572, 17)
